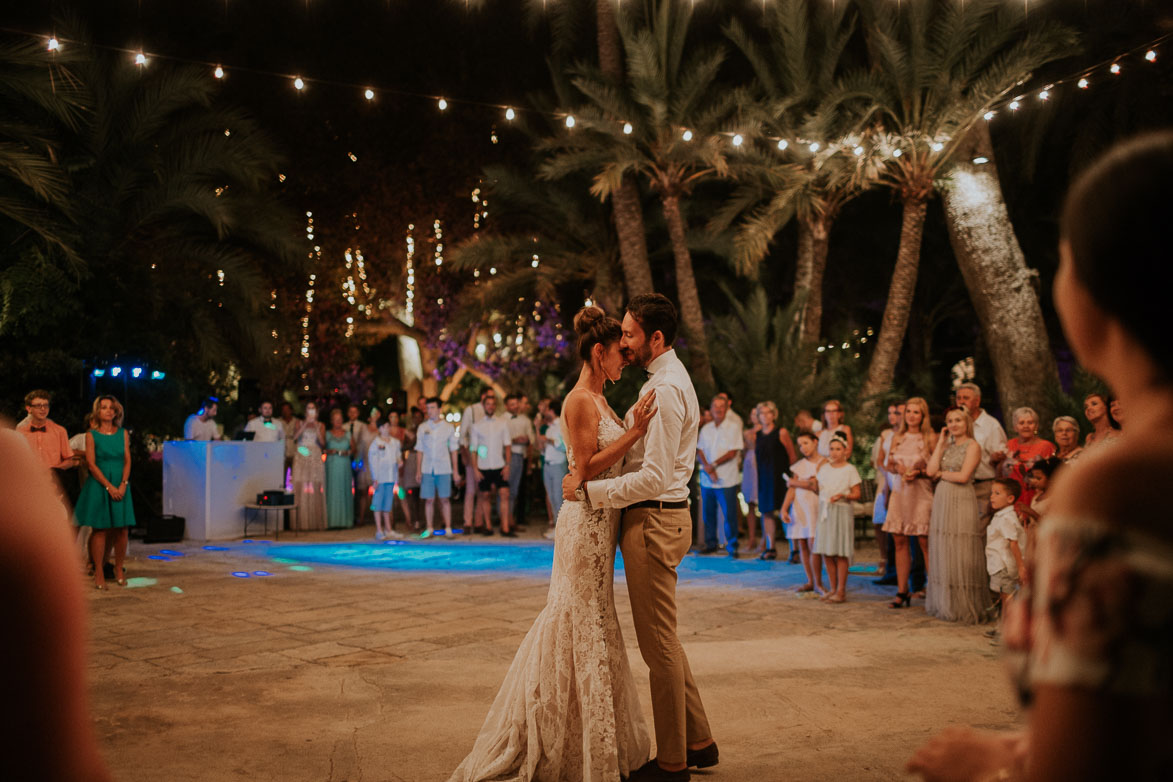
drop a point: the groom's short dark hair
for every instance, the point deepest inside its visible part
(654, 312)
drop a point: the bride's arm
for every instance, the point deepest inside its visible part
(582, 419)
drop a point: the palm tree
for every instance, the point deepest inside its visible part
(936, 69)
(663, 125)
(794, 70)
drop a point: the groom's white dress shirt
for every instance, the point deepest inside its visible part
(659, 466)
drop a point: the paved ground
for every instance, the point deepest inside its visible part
(352, 661)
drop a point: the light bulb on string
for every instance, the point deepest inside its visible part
(442, 104)
(738, 139)
(1044, 94)
(783, 144)
(627, 128)
(897, 152)
(1114, 69)
(857, 151)
(218, 72)
(686, 135)
(937, 146)
(298, 83)
(1013, 105)
(569, 120)
(140, 59)
(54, 45)
(369, 94)
(814, 147)
(1083, 83)
(510, 114)
(989, 115)
(1151, 55)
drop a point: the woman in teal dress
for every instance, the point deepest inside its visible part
(339, 475)
(104, 504)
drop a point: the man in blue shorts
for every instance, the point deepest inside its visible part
(490, 446)
(435, 439)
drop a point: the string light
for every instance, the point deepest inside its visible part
(369, 94)
(627, 128)
(783, 144)
(1114, 69)
(737, 139)
(1013, 105)
(443, 104)
(54, 45)
(1083, 84)
(1044, 94)
(814, 147)
(140, 59)
(686, 135)
(897, 152)
(857, 151)
(989, 115)
(570, 120)
(1151, 55)
(298, 83)
(981, 160)
(937, 146)
(218, 72)
(510, 114)
(409, 303)
(439, 233)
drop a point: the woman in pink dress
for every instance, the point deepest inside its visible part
(911, 505)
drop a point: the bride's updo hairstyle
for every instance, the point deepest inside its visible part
(1116, 221)
(595, 327)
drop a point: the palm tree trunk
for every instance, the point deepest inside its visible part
(813, 235)
(1001, 286)
(688, 298)
(896, 310)
(626, 209)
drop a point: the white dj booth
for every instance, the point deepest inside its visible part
(209, 483)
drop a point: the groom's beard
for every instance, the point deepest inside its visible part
(638, 358)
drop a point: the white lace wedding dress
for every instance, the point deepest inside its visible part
(568, 708)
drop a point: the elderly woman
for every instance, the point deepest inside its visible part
(1092, 638)
(1066, 432)
(1024, 450)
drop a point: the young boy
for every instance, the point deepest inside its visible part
(384, 457)
(1004, 540)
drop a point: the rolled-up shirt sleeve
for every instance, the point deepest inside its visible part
(661, 444)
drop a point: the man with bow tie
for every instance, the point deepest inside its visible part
(266, 428)
(49, 441)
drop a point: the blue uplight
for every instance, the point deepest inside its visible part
(171, 553)
(115, 371)
(241, 574)
(136, 372)
(157, 556)
(261, 573)
(215, 548)
(157, 375)
(99, 373)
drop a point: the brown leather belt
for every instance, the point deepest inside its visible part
(659, 505)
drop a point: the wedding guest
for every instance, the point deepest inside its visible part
(774, 453)
(554, 465)
(800, 510)
(50, 733)
(264, 427)
(1039, 479)
(521, 438)
(838, 485)
(749, 478)
(1005, 542)
(201, 425)
(805, 422)
(1117, 410)
(1090, 632)
(105, 503)
(339, 474)
(491, 449)
(989, 435)
(731, 414)
(384, 458)
(1098, 413)
(363, 481)
(1024, 450)
(834, 417)
(308, 473)
(409, 485)
(1066, 431)
(718, 448)
(910, 507)
(289, 424)
(472, 414)
(436, 441)
(957, 589)
(885, 481)
(49, 441)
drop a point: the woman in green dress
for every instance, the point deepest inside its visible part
(339, 475)
(104, 504)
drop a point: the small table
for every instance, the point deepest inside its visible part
(256, 509)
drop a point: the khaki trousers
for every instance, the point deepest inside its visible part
(653, 543)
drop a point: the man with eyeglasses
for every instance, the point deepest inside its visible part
(49, 441)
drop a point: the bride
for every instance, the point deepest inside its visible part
(568, 708)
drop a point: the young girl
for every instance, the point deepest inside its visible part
(837, 483)
(384, 459)
(800, 509)
(1039, 478)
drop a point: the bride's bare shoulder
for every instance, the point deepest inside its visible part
(579, 408)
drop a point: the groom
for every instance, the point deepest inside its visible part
(656, 533)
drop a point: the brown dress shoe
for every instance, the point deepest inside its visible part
(703, 757)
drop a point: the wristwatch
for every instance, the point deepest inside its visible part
(580, 494)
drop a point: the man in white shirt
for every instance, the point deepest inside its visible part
(656, 533)
(264, 427)
(718, 449)
(554, 465)
(490, 449)
(473, 413)
(521, 437)
(435, 439)
(202, 425)
(989, 434)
